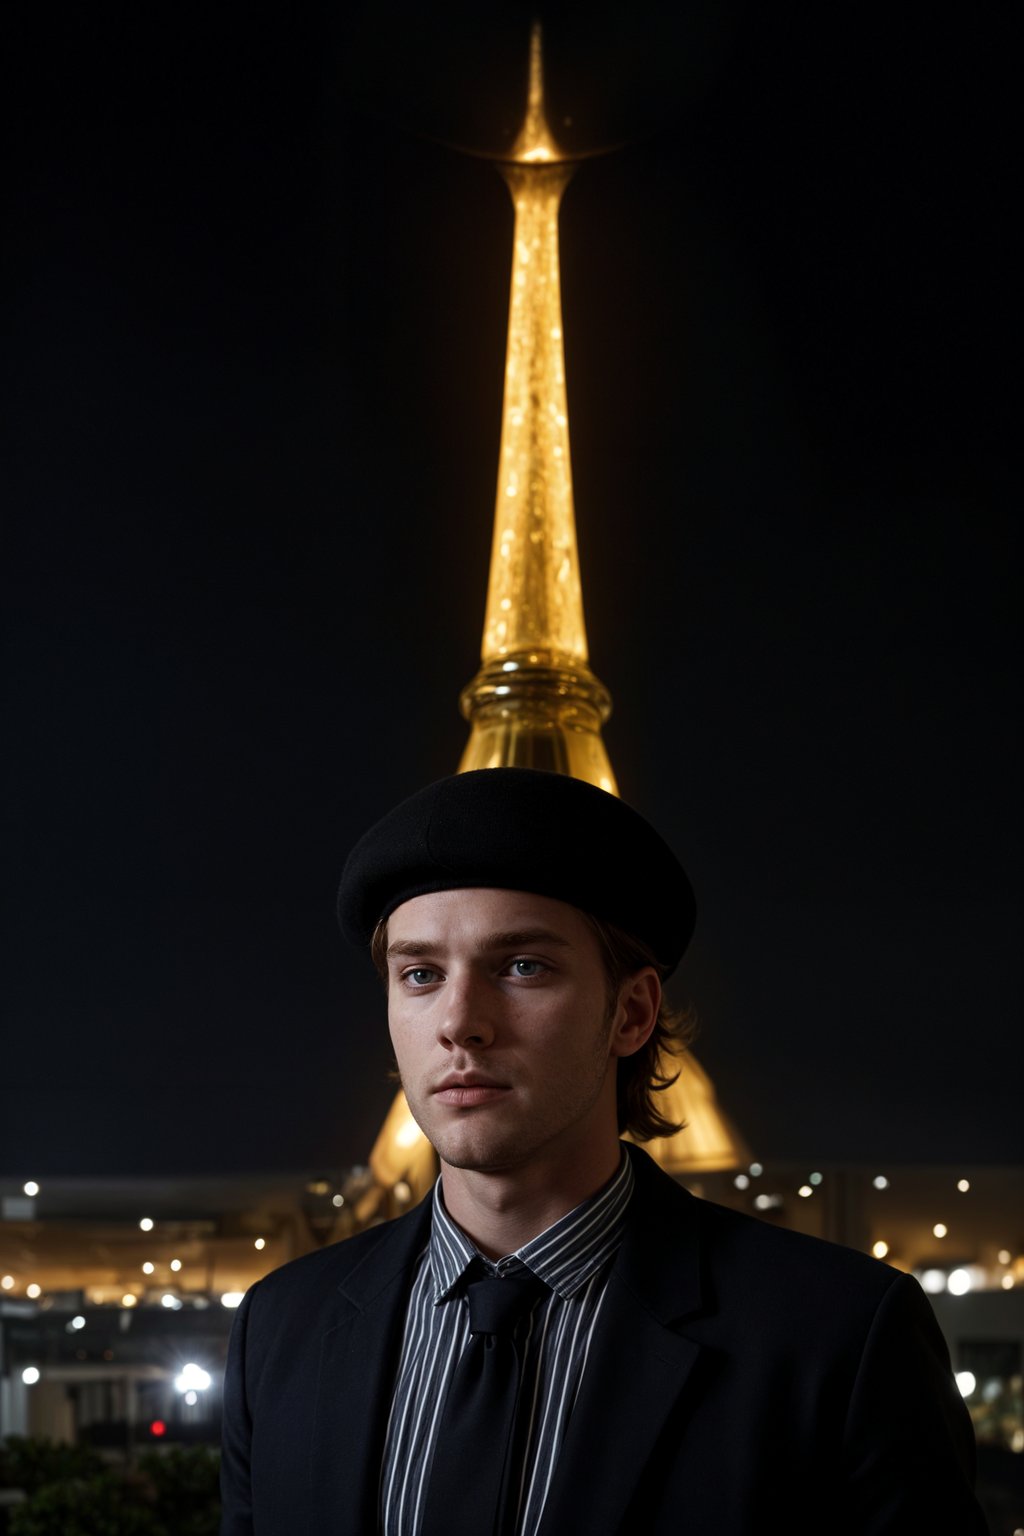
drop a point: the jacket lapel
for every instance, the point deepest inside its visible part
(358, 1362)
(639, 1359)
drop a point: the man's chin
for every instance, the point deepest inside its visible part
(478, 1156)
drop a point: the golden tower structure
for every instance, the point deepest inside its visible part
(535, 702)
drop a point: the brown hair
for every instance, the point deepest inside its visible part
(650, 1070)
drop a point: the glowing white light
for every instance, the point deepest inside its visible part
(260, 1243)
(192, 1379)
(756, 1170)
(1004, 1257)
(146, 1224)
(191, 1397)
(232, 1298)
(7, 1282)
(1007, 1282)
(30, 1375)
(148, 1268)
(78, 1322)
(959, 1282)
(805, 1190)
(407, 1134)
(33, 1291)
(880, 1249)
(815, 1178)
(338, 1200)
(967, 1382)
(1017, 1444)
(129, 1299)
(767, 1202)
(880, 1181)
(963, 1185)
(741, 1181)
(402, 1191)
(933, 1281)
(171, 1302)
(940, 1229)
(175, 1265)
(31, 1189)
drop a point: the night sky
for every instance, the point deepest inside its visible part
(254, 312)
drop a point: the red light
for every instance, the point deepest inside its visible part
(158, 1427)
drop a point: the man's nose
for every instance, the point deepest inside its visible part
(466, 1018)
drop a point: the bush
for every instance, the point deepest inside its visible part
(185, 1486)
(97, 1506)
(31, 1463)
(172, 1492)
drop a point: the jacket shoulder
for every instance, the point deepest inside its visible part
(747, 1259)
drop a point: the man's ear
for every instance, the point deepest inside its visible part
(636, 1012)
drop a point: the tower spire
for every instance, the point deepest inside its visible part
(535, 702)
(535, 142)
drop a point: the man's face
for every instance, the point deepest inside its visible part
(498, 1010)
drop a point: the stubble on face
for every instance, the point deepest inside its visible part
(487, 1145)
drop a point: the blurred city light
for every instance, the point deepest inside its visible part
(192, 1379)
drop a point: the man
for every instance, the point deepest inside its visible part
(561, 1339)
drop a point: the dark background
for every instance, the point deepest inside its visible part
(254, 317)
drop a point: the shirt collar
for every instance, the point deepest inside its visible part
(564, 1256)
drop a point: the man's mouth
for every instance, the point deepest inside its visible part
(464, 1090)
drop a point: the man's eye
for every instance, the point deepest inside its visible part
(420, 976)
(527, 968)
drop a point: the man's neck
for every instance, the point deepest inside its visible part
(502, 1211)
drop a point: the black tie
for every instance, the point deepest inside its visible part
(473, 1488)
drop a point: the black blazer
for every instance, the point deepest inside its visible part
(741, 1378)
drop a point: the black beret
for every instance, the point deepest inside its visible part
(520, 829)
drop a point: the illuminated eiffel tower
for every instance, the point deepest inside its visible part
(535, 702)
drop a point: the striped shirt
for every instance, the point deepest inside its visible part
(573, 1258)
